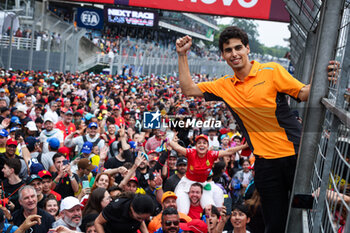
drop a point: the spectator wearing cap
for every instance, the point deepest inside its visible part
(70, 210)
(172, 181)
(170, 221)
(64, 181)
(195, 226)
(22, 114)
(225, 142)
(118, 119)
(3, 138)
(200, 162)
(15, 122)
(20, 99)
(66, 125)
(46, 159)
(37, 182)
(31, 129)
(12, 182)
(51, 112)
(3, 96)
(170, 165)
(49, 132)
(28, 201)
(168, 201)
(154, 190)
(92, 136)
(11, 147)
(47, 184)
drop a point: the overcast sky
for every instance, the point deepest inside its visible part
(271, 33)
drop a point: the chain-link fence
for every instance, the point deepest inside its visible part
(320, 33)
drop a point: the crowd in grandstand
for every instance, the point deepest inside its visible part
(71, 143)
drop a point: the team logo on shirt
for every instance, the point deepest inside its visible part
(191, 168)
(151, 120)
(208, 163)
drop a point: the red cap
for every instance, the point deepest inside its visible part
(11, 141)
(224, 131)
(116, 107)
(81, 111)
(202, 136)
(103, 107)
(152, 151)
(64, 150)
(134, 179)
(75, 103)
(44, 173)
(196, 226)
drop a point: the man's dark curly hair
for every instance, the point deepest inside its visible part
(230, 33)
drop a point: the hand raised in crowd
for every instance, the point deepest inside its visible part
(6, 122)
(121, 131)
(61, 229)
(104, 152)
(30, 221)
(158, 178)
(139, 159)
(122, 170)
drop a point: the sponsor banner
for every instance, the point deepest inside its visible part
(90, 18)
(254, 9)
(131, 17)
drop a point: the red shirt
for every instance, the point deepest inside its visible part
(65, 130)
(198, 168)
(195, 212)
(119, 121)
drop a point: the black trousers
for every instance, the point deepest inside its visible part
(274, 181)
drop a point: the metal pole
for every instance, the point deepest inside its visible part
(314, 114)
(10, 44)
(30, 62)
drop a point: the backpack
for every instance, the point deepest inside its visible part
(95, 143)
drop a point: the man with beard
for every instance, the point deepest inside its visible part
(195, 194)
(170, 221)
(92, 136)
(48, 133)
(168, 201)
(172, 181)
(28, 201)
(71, 214)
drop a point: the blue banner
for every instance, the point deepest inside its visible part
(90, 18)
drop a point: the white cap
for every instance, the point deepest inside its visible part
(31, 126)
(48, 118)
(69, 202)
(22, 108)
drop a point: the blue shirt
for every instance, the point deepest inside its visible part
(7, 225)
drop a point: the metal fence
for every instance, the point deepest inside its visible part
(320, 33)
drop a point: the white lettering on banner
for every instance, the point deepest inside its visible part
(243, 3)
(90, 18)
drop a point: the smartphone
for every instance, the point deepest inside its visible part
(228, 205)
(65, 162)
(303, 201)
(85, 184)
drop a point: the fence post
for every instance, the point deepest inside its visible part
(326, 40)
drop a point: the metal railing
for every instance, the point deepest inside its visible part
(19, 42)
(320, 32)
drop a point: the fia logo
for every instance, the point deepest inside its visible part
(151, 120)
(90, 18)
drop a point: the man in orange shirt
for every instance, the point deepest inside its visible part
(256, 97)
(168, 200)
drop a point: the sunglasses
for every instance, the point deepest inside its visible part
(169, 223)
